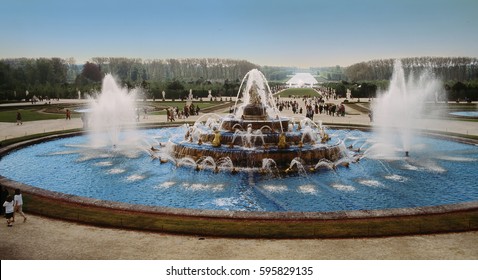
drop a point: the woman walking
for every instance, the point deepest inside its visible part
(18, 200)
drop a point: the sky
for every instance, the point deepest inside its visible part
(301, 33)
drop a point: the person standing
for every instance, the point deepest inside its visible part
(68, 114)
(8, 204)
(19, 118)
(18, 203)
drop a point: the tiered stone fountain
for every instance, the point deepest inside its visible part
(256, 134)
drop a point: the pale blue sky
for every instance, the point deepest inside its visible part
(300, 33)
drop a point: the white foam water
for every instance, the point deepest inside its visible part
(275, 189)
(307, 189)
(371, 183)
(344, 188)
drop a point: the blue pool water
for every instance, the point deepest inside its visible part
(472, 114)
(437, 172)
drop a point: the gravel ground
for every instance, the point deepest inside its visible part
(45, 239)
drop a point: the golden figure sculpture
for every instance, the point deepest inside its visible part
(216, 142)
(282, 141)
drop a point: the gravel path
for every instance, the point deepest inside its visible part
(43, 238)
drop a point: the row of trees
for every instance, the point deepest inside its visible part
(445, 68)
(63, 78)
(49, 75)
(459, 75)
(462, 91)
(60, 78)
(137, 70)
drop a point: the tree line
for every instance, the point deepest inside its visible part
(459, 75)
(445, 68)
(63, 78)
(212, 69)
(48, 76)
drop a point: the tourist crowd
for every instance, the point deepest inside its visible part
(311, 106)
(174, 113)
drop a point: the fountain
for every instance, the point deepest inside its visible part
(398, 110)
(114, 108)
(291, 176)
(255, 132)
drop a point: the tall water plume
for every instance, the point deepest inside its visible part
(113, 108)
(398, 110)
(255, 79)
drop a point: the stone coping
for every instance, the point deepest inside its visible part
(254, 215)
(286, 218)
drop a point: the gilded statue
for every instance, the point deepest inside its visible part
(282, 141)
(216, 142)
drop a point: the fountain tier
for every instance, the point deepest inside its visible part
(253, 158)
(256, 132)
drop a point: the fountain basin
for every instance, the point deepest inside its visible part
(292, 223)
(469, 114)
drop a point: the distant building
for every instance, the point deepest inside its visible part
(301, 80)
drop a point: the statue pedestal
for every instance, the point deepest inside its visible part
(254, 112)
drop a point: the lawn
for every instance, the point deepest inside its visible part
(29, 115)
(38, 113)
(180, 104)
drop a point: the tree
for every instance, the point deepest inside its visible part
(364, 90)
(340, 89)
(175, 85)
(91, 72)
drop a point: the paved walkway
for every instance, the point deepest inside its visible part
(44, 238)
(11, 130)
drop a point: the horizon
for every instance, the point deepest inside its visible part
(304, 34)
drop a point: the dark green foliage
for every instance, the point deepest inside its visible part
(56, 77)
(364, 90)
(445, 68)
(91, 72)
(461, 72)
(465, 92)
(41, 77)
